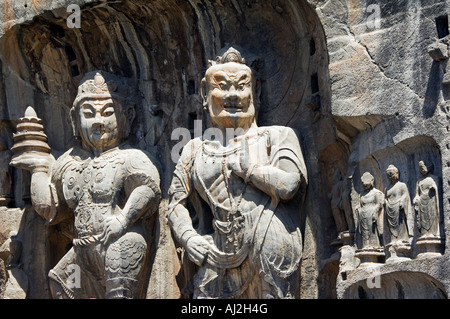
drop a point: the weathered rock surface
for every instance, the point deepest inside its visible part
(363, 90)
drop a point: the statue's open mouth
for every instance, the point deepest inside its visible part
(233, 107)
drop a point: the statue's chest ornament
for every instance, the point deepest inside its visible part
(92, 179)
(224, 192)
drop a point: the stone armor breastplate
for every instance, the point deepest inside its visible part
(91, 188)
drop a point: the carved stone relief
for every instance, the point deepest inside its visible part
(342, 210)
(369, 214)
(360, 97)
(404, 221)
(398, 237)
(246, 238)
(399, 216)
(426, 205)
(105, 184)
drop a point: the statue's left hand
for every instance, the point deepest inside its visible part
(114, 227)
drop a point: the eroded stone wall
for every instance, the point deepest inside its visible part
(362, 93)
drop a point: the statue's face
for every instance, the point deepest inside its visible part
(367, 181)
(392, 174)
(230, 95)
(423, 168)
(99, 124)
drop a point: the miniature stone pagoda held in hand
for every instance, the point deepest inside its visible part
(244, 241)
(108, 186)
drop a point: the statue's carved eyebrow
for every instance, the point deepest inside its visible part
(92, 104)
(243, 75)
(220, 76)
(86, 105)
(87, 108)
(108, 104)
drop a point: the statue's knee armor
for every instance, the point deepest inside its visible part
(124, 264)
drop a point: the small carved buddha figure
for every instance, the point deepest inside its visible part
(426, 202)
(426, 205)
(243, 235)
(108, 186)
(341, 209)
(399, 215)
(369, 214)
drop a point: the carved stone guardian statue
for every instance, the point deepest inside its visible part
(243, 236)
(426, 205)
(399, 216)
(369, 215)
(107, 185)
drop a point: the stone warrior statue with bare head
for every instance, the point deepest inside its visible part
(231, 197)
(107, 185)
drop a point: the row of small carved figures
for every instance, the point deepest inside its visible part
(395, 206)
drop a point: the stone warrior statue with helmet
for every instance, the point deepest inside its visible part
(107, 185)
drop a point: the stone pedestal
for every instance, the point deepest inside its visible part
(399, 251)
(370, 255)
(429, 246)
(343, 239)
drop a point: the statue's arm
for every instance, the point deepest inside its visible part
(137, 204)
(44, 197)
(281, 181)
(142, 193)
(142, 189)
(181, 223)
(286, 173)
(408, 211)
(380, 213)
(183, 230)
(417, 195)
(178, 216)
(381, 200)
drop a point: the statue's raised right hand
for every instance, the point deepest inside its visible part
(33, 161)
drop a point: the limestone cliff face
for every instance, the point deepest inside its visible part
(355, 81)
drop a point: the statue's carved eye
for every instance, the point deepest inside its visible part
(88, 114)
(241, 86)
(108, 111)
(223, 86)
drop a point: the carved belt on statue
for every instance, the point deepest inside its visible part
(220, 259)
(89, 218)
(226, 228)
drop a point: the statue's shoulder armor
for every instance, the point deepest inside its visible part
(69, 159)
(140, 166)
